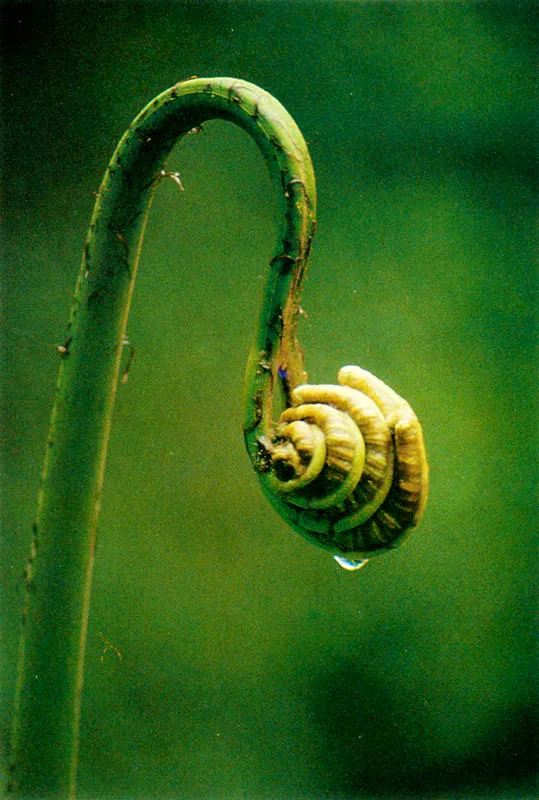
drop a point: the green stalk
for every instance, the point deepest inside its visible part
(59, 573)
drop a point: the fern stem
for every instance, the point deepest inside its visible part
(59, 573)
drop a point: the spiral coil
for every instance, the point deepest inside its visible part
(346, 466)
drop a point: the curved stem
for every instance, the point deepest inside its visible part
(58, 576)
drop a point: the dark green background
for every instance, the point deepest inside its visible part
(252, 665)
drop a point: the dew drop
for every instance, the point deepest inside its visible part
(350, 565)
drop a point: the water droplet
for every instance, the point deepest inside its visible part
(350, 565)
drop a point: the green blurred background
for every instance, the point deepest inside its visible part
(252, 665)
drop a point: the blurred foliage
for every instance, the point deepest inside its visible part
(252, 666)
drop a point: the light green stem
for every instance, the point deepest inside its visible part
(59, 573)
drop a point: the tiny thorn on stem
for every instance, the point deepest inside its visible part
(108, 647)
(131, 356)
(174, 176)
(63, 349)
(101, 192)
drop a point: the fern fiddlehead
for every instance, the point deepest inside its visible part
(345, 464)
